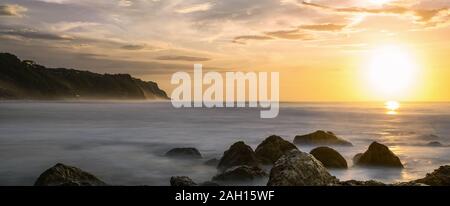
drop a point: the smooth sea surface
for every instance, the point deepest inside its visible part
(123, 143)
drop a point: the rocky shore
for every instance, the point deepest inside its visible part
(288, 165)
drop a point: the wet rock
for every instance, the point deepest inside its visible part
(240, 173)
(188, 153)
(329, 157)
(212, 162)
(361, 183)
(440, 177)
(435, 144)
(182, 181)
(321, 138)
(297, 168)
(63, 175)
(380, 156)
(357, 157)
(238, 154)
(272, 148)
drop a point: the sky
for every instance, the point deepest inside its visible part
(324, 50)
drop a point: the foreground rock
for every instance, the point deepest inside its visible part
(440, 177)
(329, 157)
(240, 173)
(238, 154)
(63, 175)
(182, 181)
(297, 168)
(380, 156)
(188, 153)
(321, 138)
(272, 148)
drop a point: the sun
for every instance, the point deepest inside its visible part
(392, 71)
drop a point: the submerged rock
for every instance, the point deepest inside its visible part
(63, 175)
(238, 154)
(297, 168)
(240, 173)
(182, 181)
(440, 177)
(212, 162)
(329, 157)
(379, 155)
(272, 148)
(321, 138)
(188, 153)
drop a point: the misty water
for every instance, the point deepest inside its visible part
(123, 143)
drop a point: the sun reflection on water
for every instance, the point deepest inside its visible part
(392, 107)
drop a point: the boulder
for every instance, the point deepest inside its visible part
(380, 156)
(212, 162)
(240, 173)
(63, 175)
(188, 153)
(321, 138)
(238, 154)
(272, 148)
(182, 181)
(440, 177)
(297, 168)
(329, 157)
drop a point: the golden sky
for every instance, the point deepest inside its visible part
(325, 50)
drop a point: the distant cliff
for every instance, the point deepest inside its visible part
(27, 80)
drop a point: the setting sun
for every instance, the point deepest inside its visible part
(391, 71)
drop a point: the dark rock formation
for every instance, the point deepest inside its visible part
(379, 155)
(321, 138)
(189, 153)
(361, 183)
(240, 173)
(63, 175)
(182, 181)
(209, 184)
(238, 154)
(329, 157)
(356, 158)
(212, 162)
(272, 148)
(435, 144)
(297, 168)
(27, 80)
(440, 177)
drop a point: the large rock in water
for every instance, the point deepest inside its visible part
(272, 148)
(240, 173)
(189, 153)
(182, 181)
(321, 138)
(329, 157)
(440, 177)
(238, 154)
(297, 168)
(63, 175)
(378, 155)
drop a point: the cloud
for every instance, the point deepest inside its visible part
(33, 34)
(295, 34)
(243, 39)
(194, 8)
(323, 27)
(182, 58)
(12, 10)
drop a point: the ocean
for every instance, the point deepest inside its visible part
(123, 143)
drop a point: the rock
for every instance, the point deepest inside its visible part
(238, 154)
(188, 153)
(379, 155)
(182, 181)
(408, 184)
(63, 175)
(209, 184)
(435, 144)
(329, 157)
(212, 162)
(440, 177)
(321, 138)
(297, 168)
(272, 148)
(240, 173)
(356, 158)
(361, 183)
